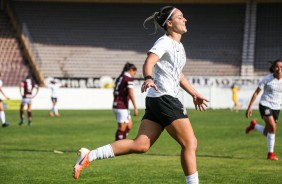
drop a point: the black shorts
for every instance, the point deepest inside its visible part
(54, 99)
(164, 110)
(266, 111)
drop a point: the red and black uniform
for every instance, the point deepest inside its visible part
(121, 92)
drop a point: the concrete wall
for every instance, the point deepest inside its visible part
(83, 98)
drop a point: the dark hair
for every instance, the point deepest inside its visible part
(126, 67)
(273, 63)
(160, 17)
(129, 66)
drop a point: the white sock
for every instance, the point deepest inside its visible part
(2, 117)
(192, 179)
(259, 128)
(56, 110)
(102, 153)
(270, 142)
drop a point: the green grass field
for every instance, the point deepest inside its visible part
(225, 153)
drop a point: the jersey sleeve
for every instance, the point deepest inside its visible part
(130, 83)
(1, 83)
(263, 82)
(159, 48)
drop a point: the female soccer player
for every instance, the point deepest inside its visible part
(54, 87)
(26, 90)
(2, 112)
(123, 92)
(269, 105)
(163, 109)
(235, 88)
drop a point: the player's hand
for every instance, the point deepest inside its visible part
(135, 112)
(249, 113)
(200, 102)
(147, 84)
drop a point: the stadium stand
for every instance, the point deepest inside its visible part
(268, 36)
(93, 40)
(13, 66)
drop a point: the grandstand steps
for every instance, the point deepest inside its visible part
(12, 63)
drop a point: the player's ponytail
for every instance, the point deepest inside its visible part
(160, 18)
(126, 67)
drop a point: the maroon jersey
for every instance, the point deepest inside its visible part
(28, 86)
(121, 94)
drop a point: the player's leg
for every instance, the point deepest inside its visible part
(29, 113)
(270, 131)
(23, 102)
(181, 130)
(2, 115)
(254, 125)
(148, 133)
(120, 133)
(55, 107)
(128, 128)
(51, 113)
(122, 118)
(264, 111)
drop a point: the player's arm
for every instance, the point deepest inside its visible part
(132, 98)
(37, 89)
(4, 93)
(253, 99)
(150, 62)
(21, 88)
(199, 101)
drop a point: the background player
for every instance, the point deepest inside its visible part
(235, 89)
(54, 87)
(26, 91)
(269, 105)
(123, 92)
(2, 112)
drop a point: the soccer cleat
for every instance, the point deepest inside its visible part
(51, 114)
(21, 122)
(82, 162)
(5, 125)
(271, 156)
(29, 123)
(251, 126)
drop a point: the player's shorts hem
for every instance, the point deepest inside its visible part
(164, 110)
(266, 111)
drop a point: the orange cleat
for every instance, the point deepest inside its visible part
(251, 126)
(82, 162)
(51, 114)
(271, 156)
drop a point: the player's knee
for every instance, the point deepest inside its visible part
(141, 147)
(190, 145)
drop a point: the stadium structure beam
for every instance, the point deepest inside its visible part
(160, 1)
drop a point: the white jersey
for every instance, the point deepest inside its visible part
(54, 89)
(167, 71)
(272, 94)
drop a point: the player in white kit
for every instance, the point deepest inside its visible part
(54, 87)
(163, 109)
(2, 112)
(269, 106)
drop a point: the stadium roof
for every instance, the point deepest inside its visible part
(159, 1)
